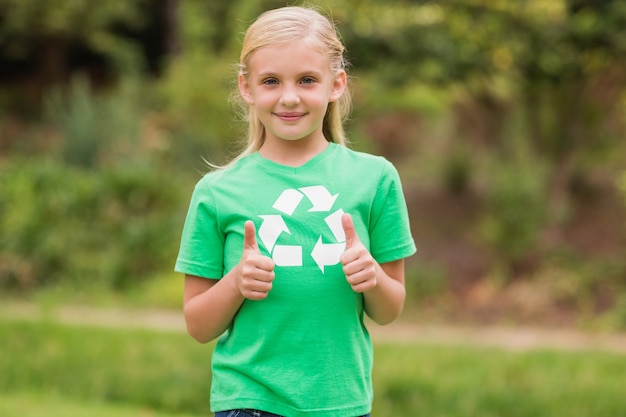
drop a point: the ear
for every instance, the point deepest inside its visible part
(339, 86)
(244, 89)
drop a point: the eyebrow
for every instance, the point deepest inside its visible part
(315, 73)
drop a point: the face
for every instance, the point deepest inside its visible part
(290, 86)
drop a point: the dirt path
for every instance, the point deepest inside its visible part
(513, 338)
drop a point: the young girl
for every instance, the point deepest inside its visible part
(286, 248)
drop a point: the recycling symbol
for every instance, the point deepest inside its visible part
(324, 254)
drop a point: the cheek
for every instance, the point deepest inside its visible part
(265, 100)
(316, 99)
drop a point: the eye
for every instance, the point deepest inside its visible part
(270, 81)
(307, 80)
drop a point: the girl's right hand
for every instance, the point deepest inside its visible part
(256, 271)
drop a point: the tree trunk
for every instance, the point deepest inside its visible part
(53, 62)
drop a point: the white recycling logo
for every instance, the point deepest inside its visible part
(324, 254)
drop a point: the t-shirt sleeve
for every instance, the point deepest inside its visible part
(390, 232)
(202, 244)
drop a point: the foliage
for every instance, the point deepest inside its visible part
(26, 24)
(97, 129)
(442, 89)
(515, 211)
(60, 224)
(169, 373)
(458, 40)
(562, 62)
(621, 184)
(198, 124)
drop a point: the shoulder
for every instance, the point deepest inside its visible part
(366, 161)
(225, 174)
(359, 156)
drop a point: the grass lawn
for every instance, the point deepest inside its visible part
(41, 405)
(50, 369)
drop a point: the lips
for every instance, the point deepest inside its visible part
(290, 116)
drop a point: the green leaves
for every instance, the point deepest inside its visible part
(63, 225)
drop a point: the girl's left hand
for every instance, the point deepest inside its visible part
(358, 264)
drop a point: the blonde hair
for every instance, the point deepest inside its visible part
(280, 26)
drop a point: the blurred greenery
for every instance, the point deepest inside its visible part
(42, 405)
(116, 367)
(504, 118)
(67, 368)
(108, 229)
(515, 210)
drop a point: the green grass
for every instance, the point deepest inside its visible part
(472, 381)
(41, 405)
(52, 369)
(157, 370)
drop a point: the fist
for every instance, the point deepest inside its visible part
(358, 264)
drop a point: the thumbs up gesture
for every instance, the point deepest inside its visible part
(358, 264)
(255, 271)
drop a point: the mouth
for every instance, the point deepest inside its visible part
(290, 116)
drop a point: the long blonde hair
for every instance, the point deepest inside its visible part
(280, 26)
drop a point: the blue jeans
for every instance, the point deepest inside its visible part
(250, 413)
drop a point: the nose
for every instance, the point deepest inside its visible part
(289, 97)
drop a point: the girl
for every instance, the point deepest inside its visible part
(286, 248)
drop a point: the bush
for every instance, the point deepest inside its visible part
(192, 100)
(97, 128)
(62, 224)
(515, 211)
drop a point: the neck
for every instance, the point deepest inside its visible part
(292, 153)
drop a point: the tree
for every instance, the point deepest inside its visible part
(564, 62)
(49, 37)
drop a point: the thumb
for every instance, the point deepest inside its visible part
(348, 228)
(249, 236)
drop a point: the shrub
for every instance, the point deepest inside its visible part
(62, 224)
(94, 127)
(515, 211)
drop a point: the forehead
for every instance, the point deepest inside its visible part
(297, 55)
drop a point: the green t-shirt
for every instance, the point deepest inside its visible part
(304, 350)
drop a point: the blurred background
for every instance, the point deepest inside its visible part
(506, 120)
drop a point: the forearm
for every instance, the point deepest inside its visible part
(210, 312)
(211, 305)
(384, 302)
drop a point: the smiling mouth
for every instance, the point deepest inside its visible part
(290, 116)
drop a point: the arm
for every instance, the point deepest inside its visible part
(385, 301)
(210, 305)
(382, 285)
